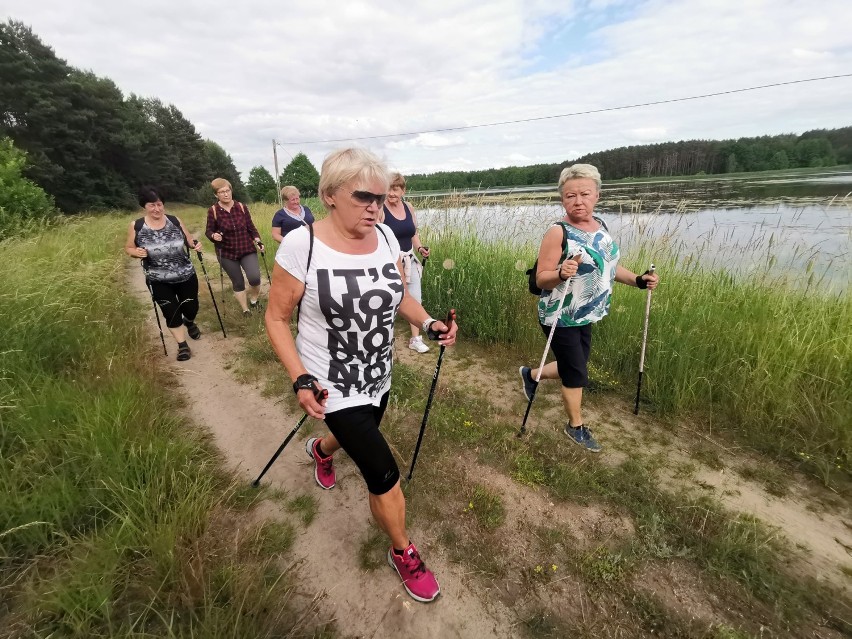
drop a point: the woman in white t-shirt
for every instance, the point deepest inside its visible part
(344, 275)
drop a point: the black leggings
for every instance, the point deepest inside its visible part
(357, 430)
(249, 264)
(178, 300)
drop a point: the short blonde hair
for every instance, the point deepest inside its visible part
(218, 183)
(287, 191)
(345, 165)
(579, 171)
(396, 179)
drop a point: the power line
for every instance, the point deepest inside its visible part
(568, 115)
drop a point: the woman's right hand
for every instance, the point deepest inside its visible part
(216, 237)
(568, 268)
(141, 253)
(313, 402)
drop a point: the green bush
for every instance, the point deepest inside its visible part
(23, 204)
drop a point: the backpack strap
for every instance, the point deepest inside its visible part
(176, 222)
(384, 235)
(564, 227)
(307, 266)
(137, 226)
(601, 222)
(310, 248)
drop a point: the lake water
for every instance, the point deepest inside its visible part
(798, 226)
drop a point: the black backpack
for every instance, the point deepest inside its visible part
(534, 289)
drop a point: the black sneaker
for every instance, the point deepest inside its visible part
(529, 383)
(246, 313)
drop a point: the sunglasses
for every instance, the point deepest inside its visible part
(365, 198)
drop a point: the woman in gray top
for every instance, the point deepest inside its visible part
(161, 241)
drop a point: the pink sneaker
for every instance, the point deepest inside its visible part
(324, 468)
(416, 577)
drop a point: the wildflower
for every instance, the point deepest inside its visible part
(539, 569)
(449, 264)
(553, 567)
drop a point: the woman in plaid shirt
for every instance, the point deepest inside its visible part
(230, 228)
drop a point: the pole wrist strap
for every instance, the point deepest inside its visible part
(304, 382)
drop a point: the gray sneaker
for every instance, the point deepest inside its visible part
(529, 383)
(582, 436)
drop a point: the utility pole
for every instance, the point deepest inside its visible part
(277, 183)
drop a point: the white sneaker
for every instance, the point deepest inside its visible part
(416, 344)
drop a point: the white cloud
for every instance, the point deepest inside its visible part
(428, 141)
(648, 134)
(249, 72)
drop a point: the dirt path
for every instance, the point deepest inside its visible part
(247, 428)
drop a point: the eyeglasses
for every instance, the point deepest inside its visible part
(365, 198)
(223, 191)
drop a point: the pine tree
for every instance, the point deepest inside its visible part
(301, 174)
(261, 185)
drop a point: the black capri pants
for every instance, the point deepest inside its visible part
(357, 430)
(571, 346)
(178, 300)
(234, 268)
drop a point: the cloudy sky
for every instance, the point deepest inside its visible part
(305, 71)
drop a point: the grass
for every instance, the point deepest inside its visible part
(116, 518)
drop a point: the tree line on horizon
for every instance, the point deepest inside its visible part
(817, 148)
(88, 146)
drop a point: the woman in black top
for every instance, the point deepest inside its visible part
(160, 241)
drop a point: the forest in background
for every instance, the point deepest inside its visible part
(821, 147)
(90, 147)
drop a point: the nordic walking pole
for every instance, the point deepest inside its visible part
(321, 395)
(450, 317)
(210, 288)
(221, 281)
(265, 267)
(644, 341)
(156, 313)
(423, 263)
(562, 297)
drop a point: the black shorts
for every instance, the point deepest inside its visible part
(571, 345)
(357, 430)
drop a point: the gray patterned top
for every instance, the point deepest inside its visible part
(167, 259)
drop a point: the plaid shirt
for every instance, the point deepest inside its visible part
(237, 229)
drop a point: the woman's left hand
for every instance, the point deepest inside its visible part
(197, 246)
(424, 251)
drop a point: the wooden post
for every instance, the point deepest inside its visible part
(277, 185)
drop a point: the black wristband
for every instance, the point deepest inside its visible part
(431, 333)
(304, 382)
(640, 283)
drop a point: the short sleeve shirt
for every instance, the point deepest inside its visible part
(345, 329)
(286, 222)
